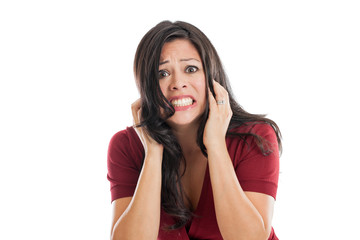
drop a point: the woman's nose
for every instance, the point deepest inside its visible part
(178, 82)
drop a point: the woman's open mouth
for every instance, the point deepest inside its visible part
(184, 103)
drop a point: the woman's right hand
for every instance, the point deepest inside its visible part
(150, 145)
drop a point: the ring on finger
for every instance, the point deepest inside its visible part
(220, 102)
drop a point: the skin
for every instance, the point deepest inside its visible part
(181, 73)
(240, 215)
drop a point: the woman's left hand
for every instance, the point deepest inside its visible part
(220, 114)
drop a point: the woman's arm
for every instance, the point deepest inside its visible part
(240, 215)
(139, 217)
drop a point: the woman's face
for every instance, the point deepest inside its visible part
(182, 81)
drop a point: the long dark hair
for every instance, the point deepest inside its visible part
(146, 68)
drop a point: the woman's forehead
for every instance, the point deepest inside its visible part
(180, 49)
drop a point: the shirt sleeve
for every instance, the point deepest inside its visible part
(124, 160)
(257, 172)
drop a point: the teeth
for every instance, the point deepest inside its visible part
(182, 102)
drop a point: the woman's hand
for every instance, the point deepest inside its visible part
(219, 117)
(150, 145)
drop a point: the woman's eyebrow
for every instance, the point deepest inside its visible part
(161, 63)
(188, 59)
(181, 60)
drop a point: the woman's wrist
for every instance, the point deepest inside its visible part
(154, 152)
(215, 145)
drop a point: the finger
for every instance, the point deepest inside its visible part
(219, 91)
(222, 94)
(139, 115)
(212, 101)
(135, 107)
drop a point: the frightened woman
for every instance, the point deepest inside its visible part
(194, 165)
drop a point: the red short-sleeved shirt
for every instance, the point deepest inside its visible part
(256, 173)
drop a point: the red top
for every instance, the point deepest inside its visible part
(256, 173)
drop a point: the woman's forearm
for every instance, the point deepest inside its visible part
(141, 219)
(236, 216)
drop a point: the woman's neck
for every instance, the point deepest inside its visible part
(186, 136)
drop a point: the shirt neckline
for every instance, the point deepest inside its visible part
(199, 209)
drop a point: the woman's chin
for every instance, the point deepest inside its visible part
(181, 121)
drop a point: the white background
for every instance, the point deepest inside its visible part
(67, 85)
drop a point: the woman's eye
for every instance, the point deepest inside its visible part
(191, 69)
(163, 74)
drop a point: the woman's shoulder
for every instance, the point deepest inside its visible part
(127, 136)
(258, 128)
(127, 142)
(124, 161)
(258, 136)
(124, 135)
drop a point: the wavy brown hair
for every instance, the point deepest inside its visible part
(146, 70)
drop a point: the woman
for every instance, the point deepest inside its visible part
(195, 165)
